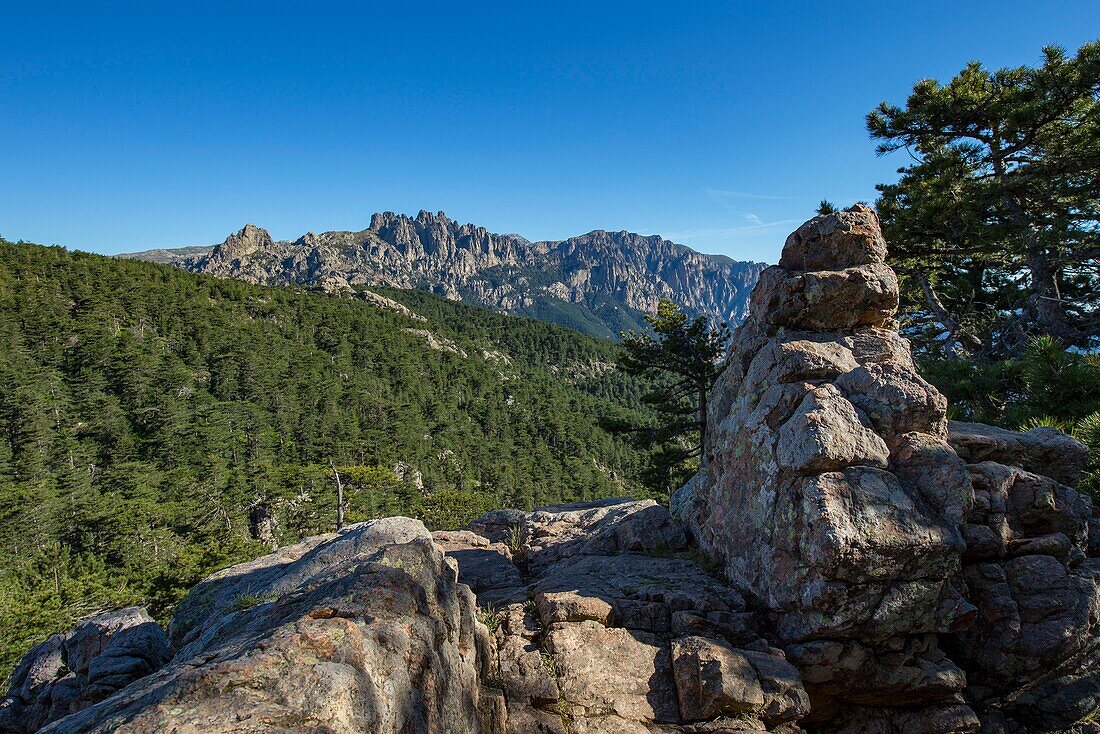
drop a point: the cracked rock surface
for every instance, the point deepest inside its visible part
(923, 576)
(604, 623)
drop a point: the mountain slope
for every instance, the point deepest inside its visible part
(600, 283)
(156, 424)
(170, 255)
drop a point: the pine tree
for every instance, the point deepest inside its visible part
(683, 357)
(996, 226)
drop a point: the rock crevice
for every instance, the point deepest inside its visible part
(604, 622)
(922, 575)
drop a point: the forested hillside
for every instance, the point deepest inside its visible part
(156, 425)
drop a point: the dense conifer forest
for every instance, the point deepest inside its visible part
(157, 425)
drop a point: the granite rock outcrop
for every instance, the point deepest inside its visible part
(365, 630)
(922, 575)
(577, 618)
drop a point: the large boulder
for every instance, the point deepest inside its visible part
(363, 630)
(921, 575)
(846, 239)
(1042, 450)
(71, 671)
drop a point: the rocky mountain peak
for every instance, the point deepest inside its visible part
(242, 244)
(308, 240)
(427, 217)
(602, 282)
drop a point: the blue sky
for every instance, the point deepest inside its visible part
(719, 125)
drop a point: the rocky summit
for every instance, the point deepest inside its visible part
(599, 283)
(846, 561)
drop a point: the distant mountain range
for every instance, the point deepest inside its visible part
(600, 283)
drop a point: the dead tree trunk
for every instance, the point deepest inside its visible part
(339, 496)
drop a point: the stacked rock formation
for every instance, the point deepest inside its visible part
(908, 585)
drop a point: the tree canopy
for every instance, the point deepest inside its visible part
(682, 356)
(994, 229)
(996, 222)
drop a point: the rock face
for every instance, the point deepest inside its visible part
(70, 672)
(601, 282)
(603, 623)
(919, 575)
(367, 630)
(588, 618)
(1033, 654)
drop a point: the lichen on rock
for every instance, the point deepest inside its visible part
(915, 583)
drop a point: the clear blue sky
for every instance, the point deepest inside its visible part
(719, 125)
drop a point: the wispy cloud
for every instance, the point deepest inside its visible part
(731, 232)
(723, 195)
(729, 199)
(753, 218)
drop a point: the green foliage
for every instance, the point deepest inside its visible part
(145, 412)
(47, 591)
(1087, 431)
(452, 508)
(517, 537)
(1047, 385)
(1046, 382)
(1043, 421)
(373, 491)
(683, 358)
(491, 617)
(247, 601)
(994, 227)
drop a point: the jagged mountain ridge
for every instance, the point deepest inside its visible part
(600, 283)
